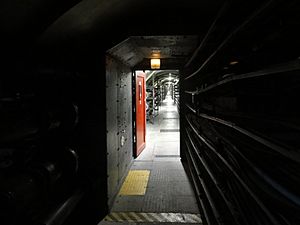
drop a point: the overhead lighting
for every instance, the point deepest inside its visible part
(155, 63)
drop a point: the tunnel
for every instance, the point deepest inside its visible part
(70, 87)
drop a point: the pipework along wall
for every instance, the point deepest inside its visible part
(240, 117)
(119, 124)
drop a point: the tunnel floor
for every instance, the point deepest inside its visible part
(168, 196)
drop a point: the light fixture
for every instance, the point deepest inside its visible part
(155, 63)
(155, 59)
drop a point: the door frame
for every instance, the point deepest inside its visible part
(134, 93)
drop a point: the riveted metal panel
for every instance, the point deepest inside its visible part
(112, 131)
(119, 128)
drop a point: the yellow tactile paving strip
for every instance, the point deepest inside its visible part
(135, 183)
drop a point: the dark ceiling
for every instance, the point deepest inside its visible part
(76, 31)
(174, 51)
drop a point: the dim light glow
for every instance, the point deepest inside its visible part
(155, 63)
(233, 63)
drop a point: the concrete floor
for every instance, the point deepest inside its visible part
(169, 190)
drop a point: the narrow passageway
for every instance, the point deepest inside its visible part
(74, 77)
(162, 136)
(168, 196)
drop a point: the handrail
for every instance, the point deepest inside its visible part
(213, 178)
(205, 189)
(203, 206)
(277, 148)
(211, 147)
(281, 68)
(190, 108)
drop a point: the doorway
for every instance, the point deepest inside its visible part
(140, 105)
(162, 115)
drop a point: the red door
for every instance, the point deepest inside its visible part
(140, 113)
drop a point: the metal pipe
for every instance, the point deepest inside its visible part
(230, 36)
(61, 213)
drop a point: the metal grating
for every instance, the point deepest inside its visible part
(167, 156)
(169, 130)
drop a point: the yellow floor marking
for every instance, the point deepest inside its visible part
(154, 217)
(135, 183)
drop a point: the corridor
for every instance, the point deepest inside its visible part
(168, 197)
(73, 128)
